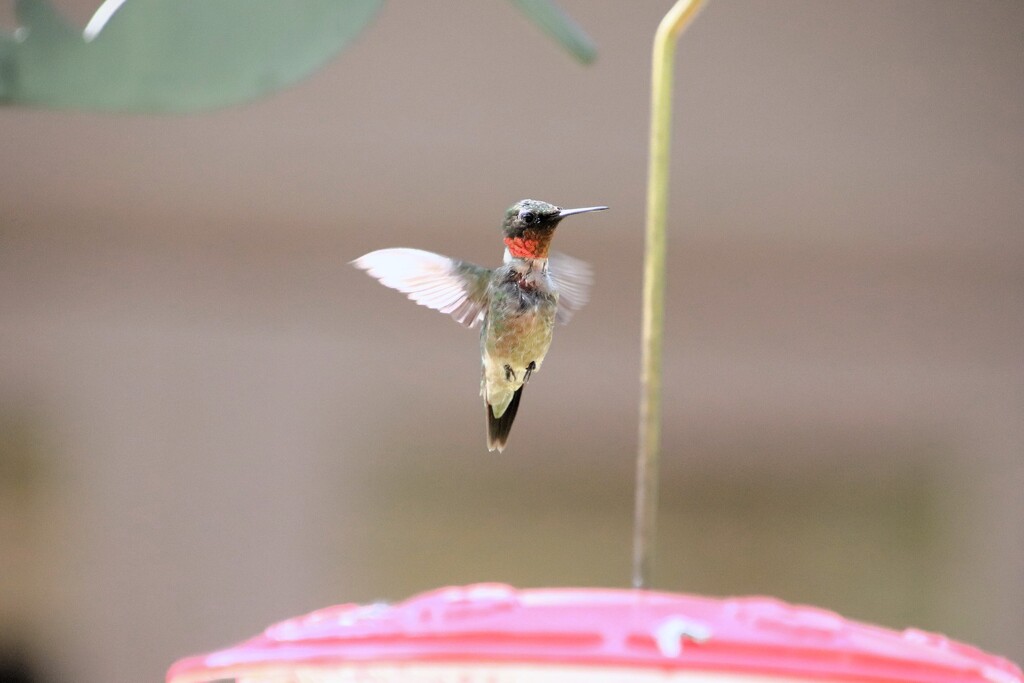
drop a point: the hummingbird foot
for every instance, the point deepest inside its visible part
(510, 374)
(529, 371)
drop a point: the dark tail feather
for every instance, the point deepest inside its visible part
(499, 427)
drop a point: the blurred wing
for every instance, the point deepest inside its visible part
(572, 279)
(453, 287)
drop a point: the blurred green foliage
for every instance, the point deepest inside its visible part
(561, 27)
(190, 55)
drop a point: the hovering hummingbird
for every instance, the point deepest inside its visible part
(517, 303)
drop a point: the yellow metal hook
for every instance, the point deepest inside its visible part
(644, 527)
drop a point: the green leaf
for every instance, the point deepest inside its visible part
(173, 55)
(7, 45)
(191, 55)
(560, 26)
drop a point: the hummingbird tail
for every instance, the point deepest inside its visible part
(499, 427)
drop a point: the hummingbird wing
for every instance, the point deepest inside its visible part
(572, 279)
(454, 287)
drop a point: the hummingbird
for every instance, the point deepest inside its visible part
(516, 304)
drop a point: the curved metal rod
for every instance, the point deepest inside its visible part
(644, 527)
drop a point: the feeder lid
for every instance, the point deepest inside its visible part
(599, 629)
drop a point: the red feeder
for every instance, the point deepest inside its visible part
(495, 633)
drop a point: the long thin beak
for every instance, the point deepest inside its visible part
(569, 212)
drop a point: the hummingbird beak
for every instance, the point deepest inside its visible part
(562, 213)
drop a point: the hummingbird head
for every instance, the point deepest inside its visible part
(530, 224)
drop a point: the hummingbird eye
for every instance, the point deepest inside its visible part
(527, 217)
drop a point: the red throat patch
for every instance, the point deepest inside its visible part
(523, 247)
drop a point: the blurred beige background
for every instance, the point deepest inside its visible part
(210, 422)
